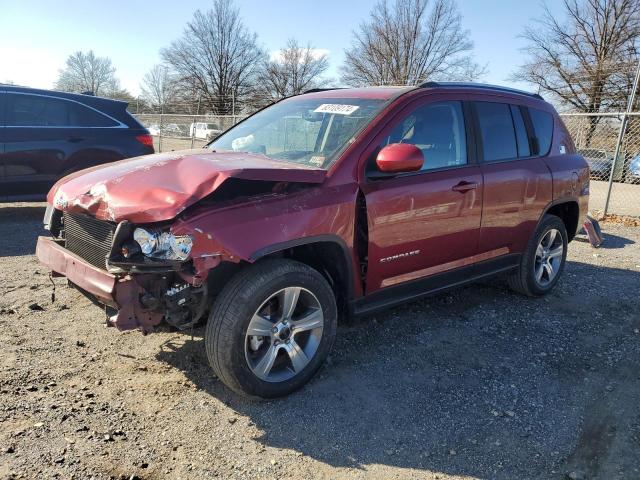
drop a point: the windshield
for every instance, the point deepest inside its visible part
(307, 131)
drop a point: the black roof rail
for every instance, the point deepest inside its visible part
(480, 86)
(314, 90)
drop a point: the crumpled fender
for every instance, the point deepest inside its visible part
(237, 233)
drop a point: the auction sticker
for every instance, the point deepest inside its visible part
(336, 108)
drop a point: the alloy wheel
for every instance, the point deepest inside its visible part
(284, 334)
(548, 257)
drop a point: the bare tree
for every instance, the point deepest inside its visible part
(158, 87)
(587, 62)
(85, 72)
(217, 57)
(408, 42)
(293, 70)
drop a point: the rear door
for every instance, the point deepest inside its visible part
(426, 222)
(517, 182)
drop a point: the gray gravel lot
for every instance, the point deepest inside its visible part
(475, 383)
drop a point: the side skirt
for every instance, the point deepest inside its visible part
(413, 290)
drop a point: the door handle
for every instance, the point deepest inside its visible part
(464, 186)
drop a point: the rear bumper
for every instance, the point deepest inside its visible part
(122, 293)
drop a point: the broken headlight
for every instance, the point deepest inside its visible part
(163, 245)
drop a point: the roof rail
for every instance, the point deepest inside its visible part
(314, 90)
(480, 86)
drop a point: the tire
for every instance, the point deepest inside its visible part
(526, 279)
(241, 360)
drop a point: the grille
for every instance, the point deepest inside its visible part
(88, 238)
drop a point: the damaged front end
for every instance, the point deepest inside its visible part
(141, 281)
(135, 234)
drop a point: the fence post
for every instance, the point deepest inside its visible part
(160, 130)
(623, 126)
(192, 130)
(193, 124)
(233, 107)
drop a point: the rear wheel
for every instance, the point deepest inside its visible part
(543, 261)
(271, 328)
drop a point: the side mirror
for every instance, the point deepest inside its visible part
(399, 158)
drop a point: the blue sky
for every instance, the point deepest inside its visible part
(37, 36)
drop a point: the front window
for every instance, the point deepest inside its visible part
(302, 130)
(438, 130)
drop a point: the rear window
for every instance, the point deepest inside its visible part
(43, 111)
(496, 130)
(543, 129)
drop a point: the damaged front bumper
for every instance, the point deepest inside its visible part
(122, 292)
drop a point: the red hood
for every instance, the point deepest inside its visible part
(158, 187)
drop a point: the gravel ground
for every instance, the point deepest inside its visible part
(476, 383)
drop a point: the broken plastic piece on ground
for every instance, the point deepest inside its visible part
(593, 231)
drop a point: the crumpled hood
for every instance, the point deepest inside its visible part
(158, 187)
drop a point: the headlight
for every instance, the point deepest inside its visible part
(147, 240)
(163, 245)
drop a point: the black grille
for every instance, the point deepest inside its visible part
(88, 237)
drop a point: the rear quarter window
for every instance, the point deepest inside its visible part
(542, 128)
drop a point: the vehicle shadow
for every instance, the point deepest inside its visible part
(479, 382)
(21, 224)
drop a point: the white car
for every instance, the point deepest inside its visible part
(168, 130)
(634, 170)
(206, 131)
(154, 130)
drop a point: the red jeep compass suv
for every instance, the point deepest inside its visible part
(333, 202)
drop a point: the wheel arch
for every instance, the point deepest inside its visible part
(328, 254)
(568, 211)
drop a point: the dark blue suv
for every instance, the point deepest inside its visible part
(45, 135)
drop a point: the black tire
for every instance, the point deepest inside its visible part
(246, 292)
(524, 279)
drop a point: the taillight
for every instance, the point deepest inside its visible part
(146, 140)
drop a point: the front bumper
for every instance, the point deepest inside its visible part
(122, 293)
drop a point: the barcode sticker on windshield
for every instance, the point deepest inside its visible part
(336, 108)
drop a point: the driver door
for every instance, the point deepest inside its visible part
(427, 222)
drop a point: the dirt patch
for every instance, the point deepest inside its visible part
(476, 383)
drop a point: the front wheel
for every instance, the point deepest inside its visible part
(271, 328)
(543, 261)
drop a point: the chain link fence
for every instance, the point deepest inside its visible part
(181, 132)
(616, 179)
(595, 136)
